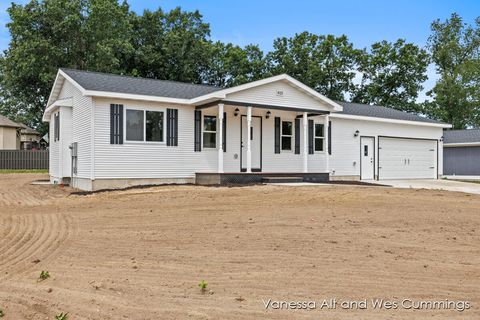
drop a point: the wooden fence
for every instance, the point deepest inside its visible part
(23, 159)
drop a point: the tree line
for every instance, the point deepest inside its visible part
(106, 36)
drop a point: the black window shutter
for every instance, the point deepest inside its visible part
(329, 137)
(175, 131)
(311, 149)
(198, 131)
(172, 127)
(277, 134)
(297, 136)
(224, 132)
(56, 128)
(116, 124)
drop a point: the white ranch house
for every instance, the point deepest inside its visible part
(110, 131)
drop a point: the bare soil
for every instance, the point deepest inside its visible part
(141, 253)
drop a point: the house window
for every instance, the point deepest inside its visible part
(56, 127)
(209, 131)
(319, 136)
(135, 125)
(154, 126)
(142, 125)
(287, 135)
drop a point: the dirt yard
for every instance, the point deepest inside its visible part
(141, 253)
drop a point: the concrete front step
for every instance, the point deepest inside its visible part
(282, 179)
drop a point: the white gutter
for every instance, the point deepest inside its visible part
(128, 96)
(461, 144)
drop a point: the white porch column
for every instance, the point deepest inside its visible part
(327, 159)
(305, 142)
(220, 137)
(249, 142)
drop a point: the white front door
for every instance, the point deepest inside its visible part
(367, 158)
(256, 143)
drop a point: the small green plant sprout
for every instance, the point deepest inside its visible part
(203, 285)
(2, 314)
(61, 316)
(44, 275)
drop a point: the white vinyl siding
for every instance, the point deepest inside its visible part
(54, 151)
(139, 160)
(345, 159)
(269, 94)
(148, 160)
(82, 132)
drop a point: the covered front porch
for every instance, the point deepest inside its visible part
(251, 142)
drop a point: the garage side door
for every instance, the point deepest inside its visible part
(407, 158)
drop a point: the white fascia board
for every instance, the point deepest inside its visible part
(128, 96)
(414, 123)
(50, 97)
(67, 102)
(221, 94)
(69, 79)
(461, 144)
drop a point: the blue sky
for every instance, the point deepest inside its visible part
(259, 22)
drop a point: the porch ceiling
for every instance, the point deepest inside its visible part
(261, 106)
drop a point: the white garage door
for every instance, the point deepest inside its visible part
(407, 158)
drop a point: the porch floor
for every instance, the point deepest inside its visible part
(213, 178)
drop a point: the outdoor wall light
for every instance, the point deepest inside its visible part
(235, 113)
(268, 114)
(356, 133)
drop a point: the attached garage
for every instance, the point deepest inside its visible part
(407, 158)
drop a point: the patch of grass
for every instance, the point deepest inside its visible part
(203, 285)
(44, 275)
(4, 171)
(61, 316)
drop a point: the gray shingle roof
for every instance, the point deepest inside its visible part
(366, 110)
(133, 85)
(27, 130)
(461, 136)
(5, 122)
(97, 81)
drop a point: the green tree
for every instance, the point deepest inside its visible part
(49, 34)
(455, 49)
(172, 45)
(230, 65)
(325, 63)
(392, 75)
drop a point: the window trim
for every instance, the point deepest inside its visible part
(315, 137)
(291, 136)
(164, 138)
(208, 131)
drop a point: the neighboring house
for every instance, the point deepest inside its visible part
(461, 153)
(9, 134)
(29, 138)
(109, 131)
